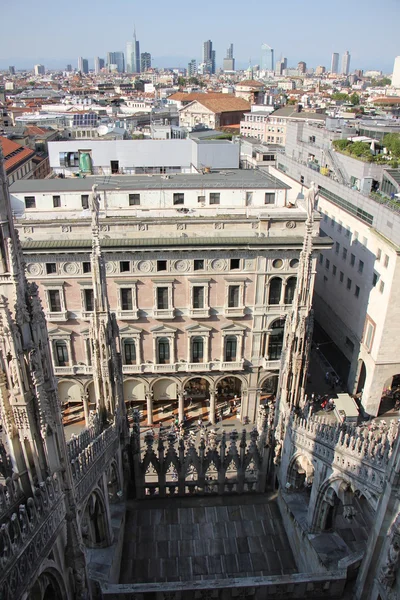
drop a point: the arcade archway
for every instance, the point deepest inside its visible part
(164, 393)
(94, 524)
(71, 396)
(229, 392)
(196, 393)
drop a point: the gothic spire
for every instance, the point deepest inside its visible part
(299, 322)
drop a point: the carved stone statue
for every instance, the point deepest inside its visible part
(309, 198)
(388, 572)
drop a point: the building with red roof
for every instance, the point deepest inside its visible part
(18, 160)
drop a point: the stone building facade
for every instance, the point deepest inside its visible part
(200, 296)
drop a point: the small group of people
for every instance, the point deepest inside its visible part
(332, 379)
(321, 403)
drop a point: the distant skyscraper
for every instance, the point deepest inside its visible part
(396, 73)
(209, 57)
(335, 62)
(280, 66)
(192, 68)
(133, 55)
(302, 67)
(69, 68)
(320, 70)
(145, 61)
(97, 67)
(39, 69)
(346, 63)
(229, 61)
(11, 70)
(83, 65)
(267, 58)
(116, 58)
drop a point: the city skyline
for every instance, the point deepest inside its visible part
(300, 36)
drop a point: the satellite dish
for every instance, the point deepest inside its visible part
(102, 130)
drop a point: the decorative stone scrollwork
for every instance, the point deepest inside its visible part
(388, 573)
(219, 264)
(142, 227)
(110, 267)
(181, 265)
(255, 225)
(66, 228)
(181, 226)
(218, 225)
(28, 229)
(34, 269)
(104, 228)
(70, 268)
(144, 266)
(291, 224)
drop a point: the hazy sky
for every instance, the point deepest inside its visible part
(310, 30)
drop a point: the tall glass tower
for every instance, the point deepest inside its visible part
(346, 63)
(267, 58)
(133, 55)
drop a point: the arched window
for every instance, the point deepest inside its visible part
(290, 288)
(230, 348)
(276, 339)
(275, 288)
(62, 358)
(197, 349)
(163, 351)
(129, 352)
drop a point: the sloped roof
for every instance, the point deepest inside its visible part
(224, 103)
(183, 97)
(251, 83)
(14, 154)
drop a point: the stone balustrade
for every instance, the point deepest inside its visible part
(93, 460)
(10, 495)
(26, 536)
(78, 443)
(362, 452)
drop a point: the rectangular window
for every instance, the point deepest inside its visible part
(333, 221)
(340, 227)
(327, 263)
(356, 237)
(30, 202)
(337, 247)
(233, 296)
(360, 266)
(234, 264)
(198, 264)
(357, 291)
(348, 285)
(198, 297)
(333, 269)
(321, 258)
(162, 298)
(51, 268)
(126, 299)
(214, 197)
(179, 198)
(89, 299)
(124, 266)
(341, 276)
(85, 201)
(325, 218)
(347, 232)
(378, 254)
(201, 199)
(87, 267)
(369, 334)
(55, 300)
(56, 201)
(375, 278)
(134, 199)
(344, 253)
(161, 265)
(269, 198)
(352, 259)
(381, 287)
(386, 261)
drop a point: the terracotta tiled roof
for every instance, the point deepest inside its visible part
(182, 97)
(14, 154)
(35, 130)
(224, 103)
(251, 83)
(387, 100)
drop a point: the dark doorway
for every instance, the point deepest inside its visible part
(114, 167)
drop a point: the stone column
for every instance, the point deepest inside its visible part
(149, 400)
(283, 292)
(212, 408)
(85, 402)
(181, 407)
(239, 348)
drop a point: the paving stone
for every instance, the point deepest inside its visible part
(190, 532)
(234, 513)
(259, 561)
(216, 547)
(220, 530)
(162, 549)
(267, 527)
(186, 547)
(185, 516)
(173, 547)
(266, 542)
(163, 533)
(230, 546)
(215, 564)
(211, 514)
(254, 544)
(230, 563)
(169, 568)
(274, 563)
(200, 548)
(199, 515)
(185, 570)
(244, 562)
(199, 564)
(145, 550)
(242, 545)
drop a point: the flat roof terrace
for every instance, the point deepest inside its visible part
(229, 179)
(204, 538)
